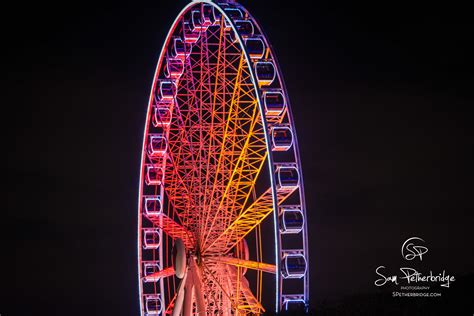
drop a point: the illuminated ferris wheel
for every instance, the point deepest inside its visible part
(221, 215)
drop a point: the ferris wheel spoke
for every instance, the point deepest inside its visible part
(206, 110)
(169, 309)
(182, 160)
(177, 190)
(183, 143)
(248, 142)
(241, 263)
(167, 272)
(196, 135)
(174, 230)
(214, 116)
(225, 161)
(248, 145)
(242, 181)
(247, 221)
(180, 142)
(182, 167)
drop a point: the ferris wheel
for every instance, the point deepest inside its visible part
(221, 214)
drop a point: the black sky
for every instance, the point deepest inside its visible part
(381, 93)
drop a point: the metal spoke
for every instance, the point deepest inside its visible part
(174, 230)
(246, 222)
(241, 263)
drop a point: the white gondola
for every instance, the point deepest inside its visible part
(208, 16)
(157, 145)
(234, 14)
(274, 103)
(244, 27)
(291, 220)
(153, 206)
(255, 47)
(217, 15)
(166, 90)
(148, 269)
(174, 68)
(265, 72)
(293, 266)
(161, 116)
(197, 21)
(287, 177)
(294, 302)
(179, 49)
(190, 36)
(154, 175)
(282, 138)
(153, 304)
(151, 238)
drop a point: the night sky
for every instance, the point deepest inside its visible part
(381, 94)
